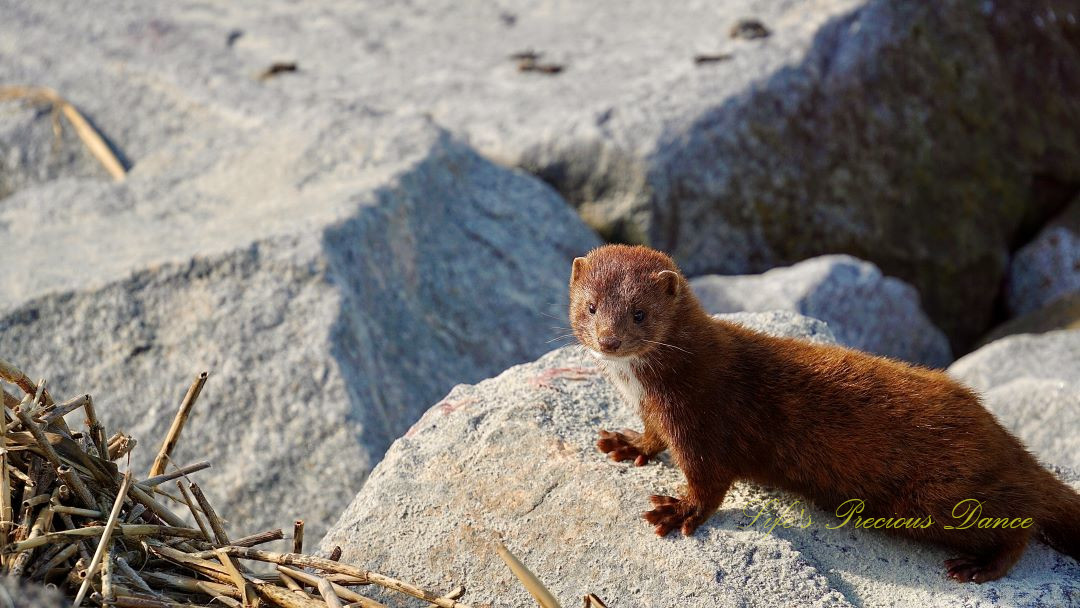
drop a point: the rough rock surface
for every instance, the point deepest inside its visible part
(865, 309)
(912, 135)
(18, 594)
(32, 150)
(1032, 384)
(513, 459)
(1048, 268)
(336, 272)
(1063, 313)
(1051, 356)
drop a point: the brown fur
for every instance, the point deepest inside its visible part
(827, 422)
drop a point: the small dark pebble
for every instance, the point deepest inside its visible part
(749, 29)
(529, 61)
(233, 36)
(527, 54)
(278, 67)
(712, 58)
(508, 19)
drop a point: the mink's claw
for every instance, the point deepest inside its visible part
(622, 445)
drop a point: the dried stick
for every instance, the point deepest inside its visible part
(298, 536)
(191, 585)
(234, 573)
(284, 598)
(173, 436)
(527, 578)
(342, 592)
(74, 481)
(97, 430)
(150, 482)
(89, 136)
(211, 516)
(9, 372)
(6, 513)
(260, 538)
(326, 590)
(106, 538)
(156, 507)
(194, 511)
(42, 524)
(130, 574)
(65, 554)
(63, 409)
(77, 511)
(107, 591)
(309, 561)
(130, 601)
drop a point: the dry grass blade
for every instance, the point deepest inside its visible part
(527, 578)
(89, 136)
(173, 436)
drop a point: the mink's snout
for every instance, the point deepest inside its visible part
(610, 344)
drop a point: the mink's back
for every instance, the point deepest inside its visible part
(835, 424)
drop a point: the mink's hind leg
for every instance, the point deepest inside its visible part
(626, 444)
(988, 565)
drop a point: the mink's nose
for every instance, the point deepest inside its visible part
(610, 344)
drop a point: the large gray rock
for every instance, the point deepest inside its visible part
(865, 309)
(512, 459)
(908, 134)
(1032, 384)
(336, 272)
(1047, 269)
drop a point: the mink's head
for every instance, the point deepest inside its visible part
(623, 300)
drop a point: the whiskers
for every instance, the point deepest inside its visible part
(667, 345)
(562, 337)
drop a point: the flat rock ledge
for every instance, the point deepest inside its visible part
(512, 460)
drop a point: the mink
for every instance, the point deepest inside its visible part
(823, 421)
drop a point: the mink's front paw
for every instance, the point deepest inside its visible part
(622, 445)
(670, 513)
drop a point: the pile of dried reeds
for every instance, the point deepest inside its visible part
(70, 519)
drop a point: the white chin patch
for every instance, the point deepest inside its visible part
(621, 372)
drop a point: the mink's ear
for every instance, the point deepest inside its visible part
(579, 267)
(669, 281)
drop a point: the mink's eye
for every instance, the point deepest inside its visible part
(639, 316)
(592, 308)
